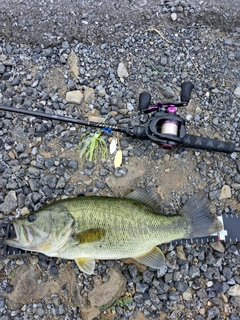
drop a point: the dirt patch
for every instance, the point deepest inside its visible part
(54, 82)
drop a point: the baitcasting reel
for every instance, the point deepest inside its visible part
(168, 129)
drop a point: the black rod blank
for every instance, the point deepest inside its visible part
(61, 118)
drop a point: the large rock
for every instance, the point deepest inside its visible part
(225, 192)
(217, 246)
(10, 202)
(72, 62)
(106, 293)
(89, 95)
(28, 285)
(89, 313)
(75, 97)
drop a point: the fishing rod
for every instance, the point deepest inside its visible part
(165, 127)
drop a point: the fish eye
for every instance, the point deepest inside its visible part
(32, 217)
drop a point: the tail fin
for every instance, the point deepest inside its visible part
(200, 222)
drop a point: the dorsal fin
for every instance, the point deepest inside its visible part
(149, 199)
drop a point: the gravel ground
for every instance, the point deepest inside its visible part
(39, 159)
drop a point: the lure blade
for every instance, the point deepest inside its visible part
(113, 145)
(118, 159)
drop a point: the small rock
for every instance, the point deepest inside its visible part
(122, 71)
(74, 97)
(237, 55)
(237, 92)
(168, 92)
(133, 271)
(184, 75)
(2, 302)
(147, 277)
(238, 166)
(215, 121)
(129, 106)
(187, 295)
(40, 311)
(234, 316)
(237, 178)
(236, 186)
(120, 172)
(141, 287)
(234, 290)
(61, 309)
(102, 92)
(194, 272)
(72, 165)
(95, 118)
(164, 61)
(180, 253)
(33, 260)
(174, 16)
(181, 286)
(212, 313)
(225, 192)
(2, 68)
(61, 183)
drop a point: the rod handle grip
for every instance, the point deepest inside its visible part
(198, 142)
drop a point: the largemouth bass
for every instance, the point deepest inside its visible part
(89, 228)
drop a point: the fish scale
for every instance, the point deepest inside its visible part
(133, 233)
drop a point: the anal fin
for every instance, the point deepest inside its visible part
(86, 265)
(154, 258)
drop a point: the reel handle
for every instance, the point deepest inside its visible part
(186, 91)
(196, 142)
(144, 101)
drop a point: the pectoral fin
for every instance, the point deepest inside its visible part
(90, 235)
(86, 265)
(154, 259)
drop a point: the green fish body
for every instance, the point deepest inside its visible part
(89, 228)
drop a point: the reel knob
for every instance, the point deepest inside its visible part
(144, 101)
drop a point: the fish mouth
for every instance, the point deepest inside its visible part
(12, 235)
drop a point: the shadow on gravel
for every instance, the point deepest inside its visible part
(49, 23)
